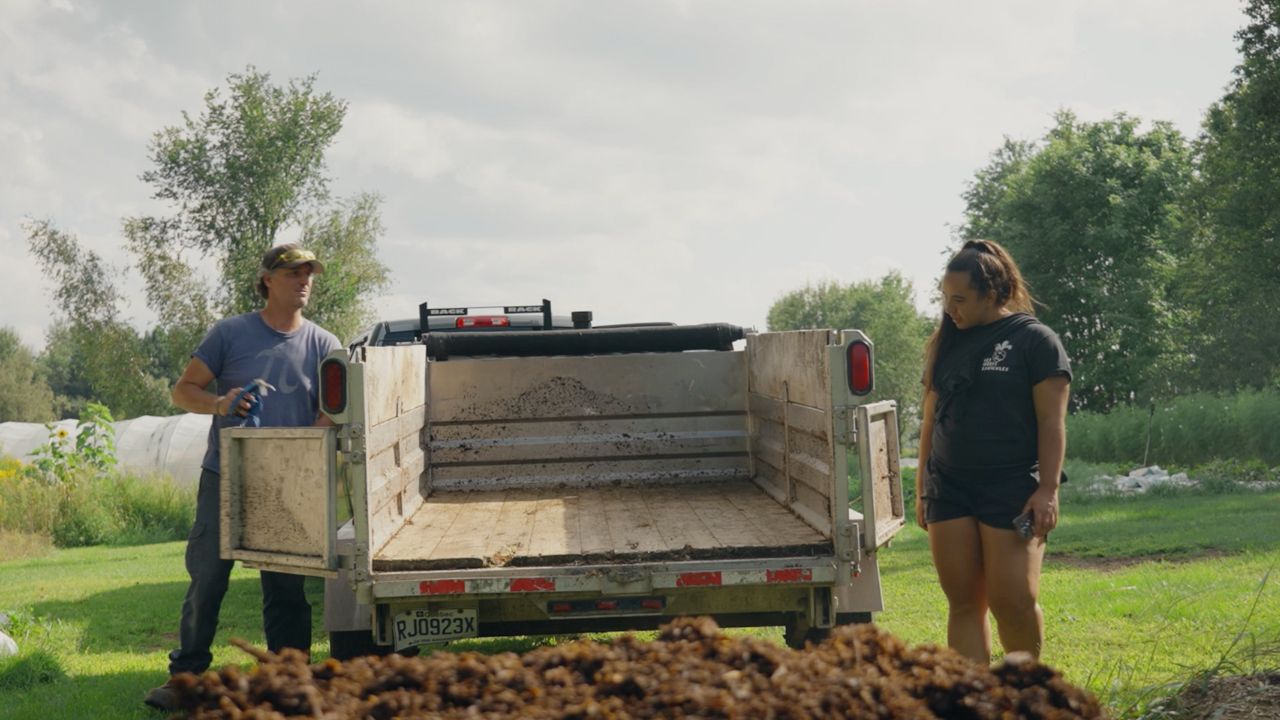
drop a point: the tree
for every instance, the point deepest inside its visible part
(250, 167)
(885, 310)
(345, 238)
(25, 396)
(1229, 281)
(104, 355)
(982, 197)
(1091, 216)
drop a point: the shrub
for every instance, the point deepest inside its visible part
(1187, 431)
(94, 509)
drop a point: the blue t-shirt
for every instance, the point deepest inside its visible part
(243, 348)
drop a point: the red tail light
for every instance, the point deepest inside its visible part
(606, 604)
(859, 362)
(484, 321)
(333, 385)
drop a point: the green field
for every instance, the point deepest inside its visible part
(100, 620)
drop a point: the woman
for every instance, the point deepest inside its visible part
(994, 435)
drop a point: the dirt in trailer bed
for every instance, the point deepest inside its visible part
(691, 670)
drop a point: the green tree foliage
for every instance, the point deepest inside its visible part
(1091, 216)
(63, 367)
(25, 395)
(250, 167)
(345, 238)
(885, 310)
(1229, 281)
(98, 352)
(174, 291)
(990, 186)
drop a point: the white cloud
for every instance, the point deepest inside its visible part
(685, 160)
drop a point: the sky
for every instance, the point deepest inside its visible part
(647, 160)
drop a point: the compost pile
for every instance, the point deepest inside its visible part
(691, 670)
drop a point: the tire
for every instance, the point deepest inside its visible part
(853, 618)
(348, 644)
(796, 639)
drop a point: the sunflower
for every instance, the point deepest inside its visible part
(62, 433)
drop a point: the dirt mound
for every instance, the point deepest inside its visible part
(1231, 697)
(692, 670)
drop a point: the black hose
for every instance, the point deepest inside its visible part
(595, 341)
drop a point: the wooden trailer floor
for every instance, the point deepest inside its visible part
(557, 526)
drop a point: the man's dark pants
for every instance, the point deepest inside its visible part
(286, 614)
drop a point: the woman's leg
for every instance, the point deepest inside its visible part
(957, 555)
(1013, 587)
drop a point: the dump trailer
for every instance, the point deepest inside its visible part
(603, 480)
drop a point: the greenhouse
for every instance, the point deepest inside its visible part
(146, 445)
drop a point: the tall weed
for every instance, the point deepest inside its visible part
(95, 509)
(1187, 431)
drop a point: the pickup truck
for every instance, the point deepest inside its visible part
(580, 480)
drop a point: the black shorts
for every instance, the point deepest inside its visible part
(994, 502)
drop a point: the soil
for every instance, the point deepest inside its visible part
(1113, 564)
(1229, 697)
(691, 670)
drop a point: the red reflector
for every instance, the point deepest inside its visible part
(859, 362)
(781, 576)
(696, 579)
(484, 321)
(334, 381)
(560, 607)
(442, 587)
(606, 604)
(532, 585)
(651, 604)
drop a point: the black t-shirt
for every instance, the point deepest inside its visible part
(985, 419)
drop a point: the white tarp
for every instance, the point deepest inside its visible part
(145, 445)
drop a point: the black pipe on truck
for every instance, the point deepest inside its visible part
(595, 341)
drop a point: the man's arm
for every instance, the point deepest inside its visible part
(190, 394)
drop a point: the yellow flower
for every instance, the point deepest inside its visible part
(61, 433)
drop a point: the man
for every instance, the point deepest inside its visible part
(281, 347)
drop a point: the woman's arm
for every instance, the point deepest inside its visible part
(1050, 398)
(926, 447)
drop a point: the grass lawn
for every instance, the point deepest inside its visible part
(106, 616)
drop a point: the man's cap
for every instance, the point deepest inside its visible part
(290, 255)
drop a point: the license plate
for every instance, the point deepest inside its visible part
(421, 627)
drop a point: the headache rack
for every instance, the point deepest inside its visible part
(467, 321)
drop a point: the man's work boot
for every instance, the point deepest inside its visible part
(163, 698)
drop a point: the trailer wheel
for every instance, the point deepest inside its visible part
(855, 618)
(349, 644)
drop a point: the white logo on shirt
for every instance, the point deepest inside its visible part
(285, 380)
(997, 356)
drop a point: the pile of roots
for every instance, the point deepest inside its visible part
(691, 670)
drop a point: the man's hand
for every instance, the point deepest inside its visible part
(223, 405)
